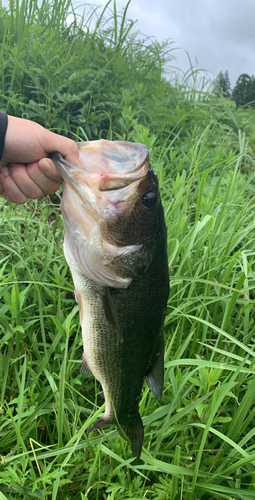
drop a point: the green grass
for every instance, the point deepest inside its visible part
(199, 441)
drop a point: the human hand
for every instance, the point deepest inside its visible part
(26, 170)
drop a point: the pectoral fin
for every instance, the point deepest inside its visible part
(155, 377)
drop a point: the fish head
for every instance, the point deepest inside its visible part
(112, 211)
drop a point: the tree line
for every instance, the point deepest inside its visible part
(243, 93)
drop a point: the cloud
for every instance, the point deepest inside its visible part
(218, 33)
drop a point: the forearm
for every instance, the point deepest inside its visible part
(3, 128)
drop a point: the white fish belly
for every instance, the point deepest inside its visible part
(100, 338)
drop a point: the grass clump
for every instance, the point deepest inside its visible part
(199, 441)
(69, 77)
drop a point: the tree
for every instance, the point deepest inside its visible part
(244, 90)
(222, 84)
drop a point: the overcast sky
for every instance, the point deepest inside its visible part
(220, 34)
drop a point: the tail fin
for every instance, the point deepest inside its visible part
(135, 433)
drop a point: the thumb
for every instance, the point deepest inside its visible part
(47, 166)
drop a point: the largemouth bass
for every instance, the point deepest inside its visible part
(115, 246)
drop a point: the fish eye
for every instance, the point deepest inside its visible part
(149, 199)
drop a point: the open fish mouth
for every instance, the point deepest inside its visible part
(106, 186)
(107, 166)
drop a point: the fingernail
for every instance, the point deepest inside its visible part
(5, 171)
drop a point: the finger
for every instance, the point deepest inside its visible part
(1, 187)
(66, 147)
(22, 180)
(3, 164)
(11, 191)
(46, 184)
(72, 153)
(48, 168)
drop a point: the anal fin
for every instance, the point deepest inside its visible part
(100, 423)
(85, 370)
(155, 377)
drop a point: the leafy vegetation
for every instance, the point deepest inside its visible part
(199, 441)
(244, 91)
